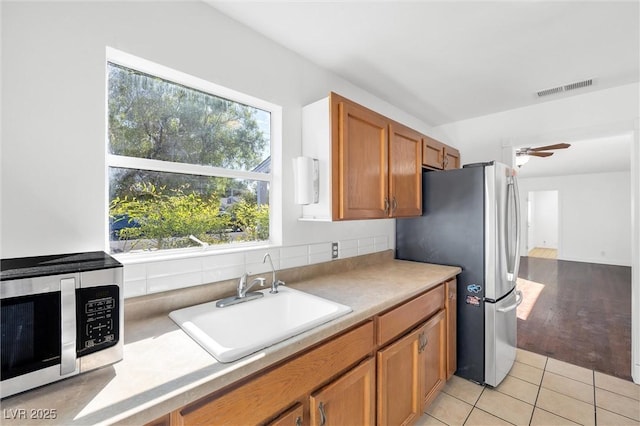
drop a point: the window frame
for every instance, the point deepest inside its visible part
(273, 178)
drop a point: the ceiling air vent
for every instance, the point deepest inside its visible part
(552, 91)
(565, 88)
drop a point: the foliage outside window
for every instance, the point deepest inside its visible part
(186, 167)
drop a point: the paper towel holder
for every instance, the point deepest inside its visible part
(306, 180)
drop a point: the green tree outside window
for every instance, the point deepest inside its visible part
(152, 118)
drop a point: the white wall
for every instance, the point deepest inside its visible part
(543, 219)
(53, 133)
(594, 223)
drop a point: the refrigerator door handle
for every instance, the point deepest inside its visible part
(519, 298)
(513, 263)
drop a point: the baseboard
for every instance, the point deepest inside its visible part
(601, 261)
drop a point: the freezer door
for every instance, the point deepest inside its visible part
(500, 337)
(502, 231)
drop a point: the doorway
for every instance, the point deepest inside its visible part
(542, 224)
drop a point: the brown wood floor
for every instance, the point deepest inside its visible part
(582, 314)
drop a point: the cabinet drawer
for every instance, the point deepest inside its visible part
(280, 387)
(407, 315)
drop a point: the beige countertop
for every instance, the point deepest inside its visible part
(164, 369)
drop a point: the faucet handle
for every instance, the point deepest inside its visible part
(242, 284)
(274, 286)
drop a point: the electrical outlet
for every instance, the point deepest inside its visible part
(334, 250)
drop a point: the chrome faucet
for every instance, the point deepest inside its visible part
(274, 282)
(242, 292)
(243, 288)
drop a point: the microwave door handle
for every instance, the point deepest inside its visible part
(68, 326)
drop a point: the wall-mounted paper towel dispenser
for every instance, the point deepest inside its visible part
(306, 172)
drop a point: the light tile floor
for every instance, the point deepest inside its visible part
(538, 391)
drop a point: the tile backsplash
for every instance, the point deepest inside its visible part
(159, 276)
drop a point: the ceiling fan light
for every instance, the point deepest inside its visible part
(521, 160)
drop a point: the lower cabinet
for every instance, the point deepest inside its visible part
(433, 357)
(411, 372)
(269, 394)
(292, 417)
(349, 400)
(399, 381)
(385, 371)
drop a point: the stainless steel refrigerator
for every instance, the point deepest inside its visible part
(471, 219)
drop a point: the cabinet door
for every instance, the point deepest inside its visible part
(432, 153)
(451, 158)
(452, 313)
(405, 171)
(270, 393)
(359, 169)
(348, 400)
(433, 363)
(399, 381)
(291, 417)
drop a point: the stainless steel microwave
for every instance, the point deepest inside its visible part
(61, 315)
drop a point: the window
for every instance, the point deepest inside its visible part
(189, 162)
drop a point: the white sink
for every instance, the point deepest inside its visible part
(235, 331)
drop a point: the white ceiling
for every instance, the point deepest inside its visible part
(598, 155)
(445, 61)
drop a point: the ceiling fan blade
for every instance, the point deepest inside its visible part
(540, 154)
(548, 147)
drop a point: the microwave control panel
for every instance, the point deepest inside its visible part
(97, 318)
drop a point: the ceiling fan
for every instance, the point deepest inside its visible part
(540, 151)
(523, 154)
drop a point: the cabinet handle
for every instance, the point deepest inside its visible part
(298, 421)
(446, 161)
(386, 206)
(323, 415)
(394, 205)
(421, 344)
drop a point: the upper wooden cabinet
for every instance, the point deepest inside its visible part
(451, 158)
(405, 171)
(359, 148)
(376, 166)
(436, 155)
(370, 166)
